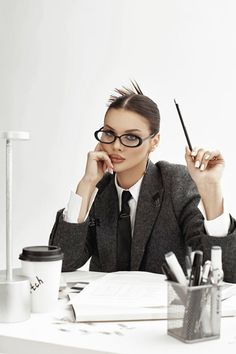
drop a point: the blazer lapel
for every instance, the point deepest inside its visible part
(107, 211)
(148, 208)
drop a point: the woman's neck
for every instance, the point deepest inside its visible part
(128, 178)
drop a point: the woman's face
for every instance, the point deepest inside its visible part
(121, 121)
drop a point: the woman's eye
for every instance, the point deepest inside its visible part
(108, 133)
(131, 137)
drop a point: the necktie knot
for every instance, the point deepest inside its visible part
(125, 209)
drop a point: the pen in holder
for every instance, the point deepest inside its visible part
(14, 290)
(196, 314)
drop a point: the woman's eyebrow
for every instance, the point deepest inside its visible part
(126, 131)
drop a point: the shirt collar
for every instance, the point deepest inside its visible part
(134, 190)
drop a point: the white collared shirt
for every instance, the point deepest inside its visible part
(217, 227)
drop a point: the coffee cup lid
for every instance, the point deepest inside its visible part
(41, 254)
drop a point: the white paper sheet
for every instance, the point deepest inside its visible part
(125, 289)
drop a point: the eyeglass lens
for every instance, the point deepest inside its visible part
(108, 137)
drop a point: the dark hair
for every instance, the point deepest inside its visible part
(132, 99)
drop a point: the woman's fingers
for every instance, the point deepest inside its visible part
(101, 158)
(201, 158)
(107, 159)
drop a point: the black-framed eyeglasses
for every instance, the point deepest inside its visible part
(107, 136)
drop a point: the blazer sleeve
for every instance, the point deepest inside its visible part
(77, 241)
(185, 200)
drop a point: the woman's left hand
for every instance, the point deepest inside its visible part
(204, 166)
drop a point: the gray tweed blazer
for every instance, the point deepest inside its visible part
(167, 219)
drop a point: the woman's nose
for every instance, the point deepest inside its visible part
(117, 144)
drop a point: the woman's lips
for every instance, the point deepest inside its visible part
(116, 159)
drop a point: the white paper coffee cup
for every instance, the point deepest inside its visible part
(42, 265)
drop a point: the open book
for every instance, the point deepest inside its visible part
(131, 296)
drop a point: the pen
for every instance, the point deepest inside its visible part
(194, 301)
(189, 253)
(168, 272)
(216, 261)
(171, 277)
(205, 318)
(175, 267)
(206, 272)
(192, 256)
(195, 277)
(217, 277)
(183, 125)
(188, 266)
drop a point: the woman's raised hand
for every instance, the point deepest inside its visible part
(98, 162)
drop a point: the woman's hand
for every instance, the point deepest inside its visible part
(98, 162)
(206, 169)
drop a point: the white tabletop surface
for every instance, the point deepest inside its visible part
(45, 333)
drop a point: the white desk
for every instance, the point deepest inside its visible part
(44, 334)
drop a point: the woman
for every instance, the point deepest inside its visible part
(162, 210)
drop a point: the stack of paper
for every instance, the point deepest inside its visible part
(122, 296)
(130, 296)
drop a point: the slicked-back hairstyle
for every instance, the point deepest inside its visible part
(133, 99)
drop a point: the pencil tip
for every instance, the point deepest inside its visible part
(175, 101)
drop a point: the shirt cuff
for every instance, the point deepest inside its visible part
(72, 211)
(217, 227)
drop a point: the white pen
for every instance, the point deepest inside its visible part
(216, 257)
(217, 277)
(216, 262)
(205, 316)
(206, 272)
(188, 266)
(176, 268)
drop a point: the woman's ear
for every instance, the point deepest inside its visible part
(155, 142)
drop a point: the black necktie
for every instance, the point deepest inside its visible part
(124, 234)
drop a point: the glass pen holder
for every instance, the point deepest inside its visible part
(194, 313)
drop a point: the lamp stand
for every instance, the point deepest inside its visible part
(14, 290)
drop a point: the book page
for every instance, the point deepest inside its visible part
(125, 289)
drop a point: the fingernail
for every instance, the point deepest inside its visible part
(202, 167)
(197, 164)
(194, 153)
(207, 157)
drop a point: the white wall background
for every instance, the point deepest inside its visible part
(61, 59)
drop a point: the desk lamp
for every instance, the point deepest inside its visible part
(14, 290)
